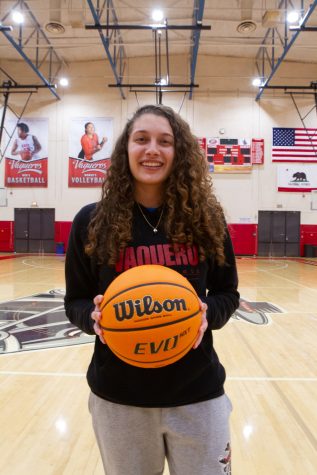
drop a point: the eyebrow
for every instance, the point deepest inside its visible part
(146, 131)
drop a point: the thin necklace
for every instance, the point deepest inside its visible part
(155, 230)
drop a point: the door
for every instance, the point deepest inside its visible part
(21, 230)
(34, 230)
(279, 233)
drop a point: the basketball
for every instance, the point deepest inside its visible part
(150, 316)
(26, 155)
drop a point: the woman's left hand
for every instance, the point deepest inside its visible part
(204, 324)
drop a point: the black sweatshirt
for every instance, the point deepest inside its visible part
(197, 376)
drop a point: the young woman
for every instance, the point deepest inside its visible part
(157, 207)
(26, 145)
(90, 142)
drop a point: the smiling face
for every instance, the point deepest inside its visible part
(90, 129)
(151, 153)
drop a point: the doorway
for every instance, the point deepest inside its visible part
(279, 233)
(34, 230)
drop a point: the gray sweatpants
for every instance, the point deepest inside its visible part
(194, 438)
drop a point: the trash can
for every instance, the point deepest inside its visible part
(310, 250)
(60, 248)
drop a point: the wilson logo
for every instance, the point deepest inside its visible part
(146, 306)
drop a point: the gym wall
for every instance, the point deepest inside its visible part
(224, 100)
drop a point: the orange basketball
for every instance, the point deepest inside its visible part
(150, 316)
(26, 155)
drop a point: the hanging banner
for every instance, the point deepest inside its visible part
(297, 178)
(26, 153)
(257, 151)
(229, 155)
(294, 145)
(90, 146)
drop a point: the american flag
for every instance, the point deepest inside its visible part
(294, 145)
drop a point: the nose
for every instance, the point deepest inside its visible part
(152, 148)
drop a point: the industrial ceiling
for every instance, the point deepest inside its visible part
(59, 31)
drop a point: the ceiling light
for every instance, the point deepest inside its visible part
(17, 17)
(163, 82)
(63, 82)
(257, 82)
(293, 16)
(157, 15)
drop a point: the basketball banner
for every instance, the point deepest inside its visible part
(229, 155)
(297, 178)
(26, 153)
(90, 146)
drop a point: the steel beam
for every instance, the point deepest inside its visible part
(51, 87)
(198, 13)
(147, 27)
(287, 46)
(119, 53)
(20, 42)
(5, 106)
(303, 28)
(154, 85)
(5, 28)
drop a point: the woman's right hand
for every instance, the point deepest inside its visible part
(96, 315)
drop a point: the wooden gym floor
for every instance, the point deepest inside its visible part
(269, 351)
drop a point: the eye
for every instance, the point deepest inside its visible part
(140, 139)
(167, 142)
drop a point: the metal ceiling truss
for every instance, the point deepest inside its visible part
(198, 14)
(46, 62)
(300, 90)
(266, 62)
(105, 19)
(112, 40)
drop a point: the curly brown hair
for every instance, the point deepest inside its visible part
(192, 213)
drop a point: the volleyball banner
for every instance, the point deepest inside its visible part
(26, 153)
(229, 155)
(90, 146)
(297, 178)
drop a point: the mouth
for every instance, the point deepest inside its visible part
(151, 164)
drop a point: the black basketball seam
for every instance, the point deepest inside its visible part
(150, 327)
(144, 285)
(157, 361)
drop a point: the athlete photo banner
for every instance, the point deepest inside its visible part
(297, 177)
(90, 147)
(26, 153)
